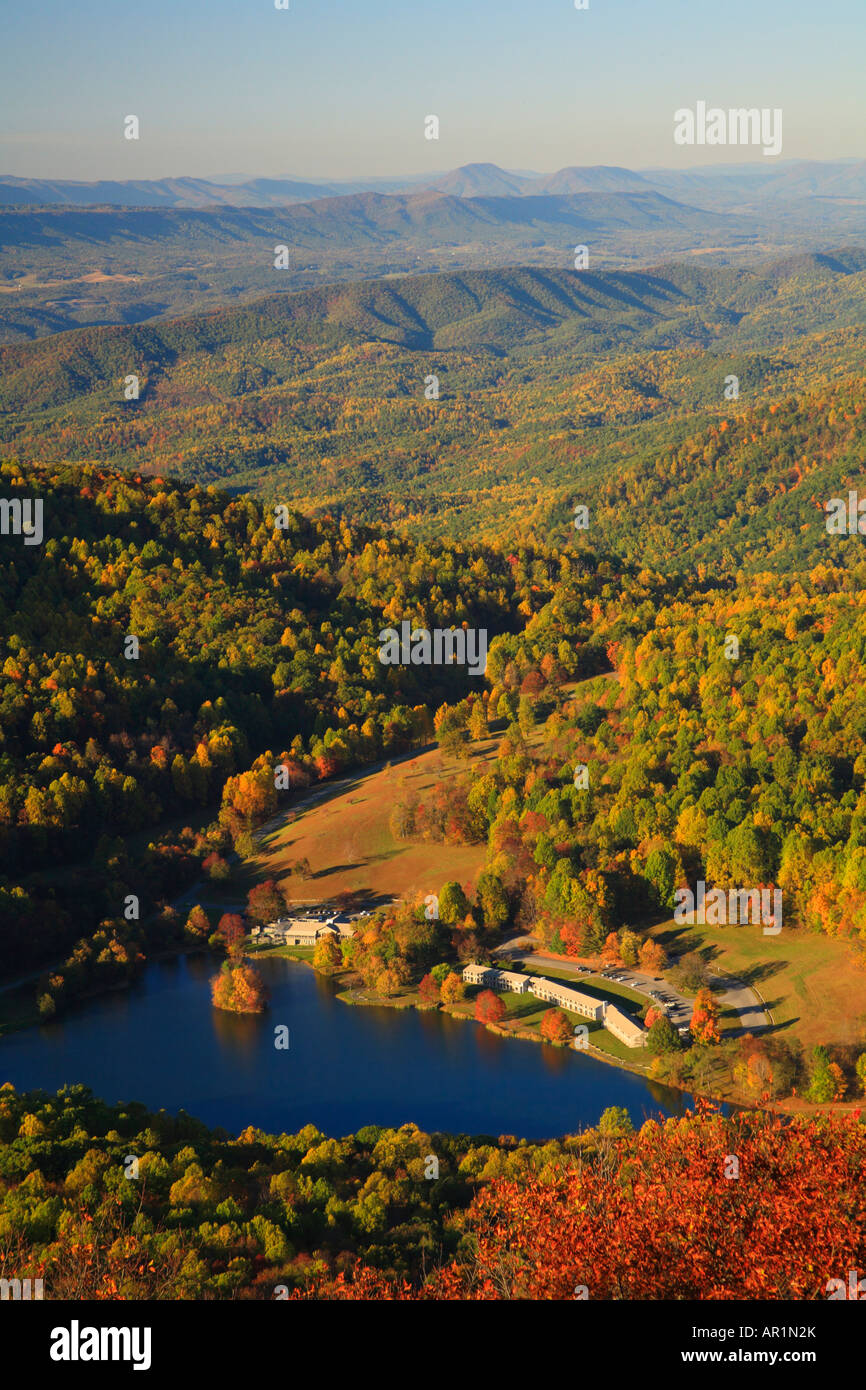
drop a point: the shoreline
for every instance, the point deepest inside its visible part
(785, 1107)
(347, 993)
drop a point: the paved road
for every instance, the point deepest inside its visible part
(744, 1001)
(736, 996)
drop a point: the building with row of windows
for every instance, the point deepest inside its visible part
(554, 992)
(491, 977)
(623, 1027)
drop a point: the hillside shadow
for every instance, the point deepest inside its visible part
(748, 975)
(338, 869)
(761, 971)
(772, 1004)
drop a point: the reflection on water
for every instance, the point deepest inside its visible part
(163, 1043)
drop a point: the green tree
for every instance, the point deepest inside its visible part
(453, 903)
(492, 900)
(629, 946)
(662, 1036)
(825, 1078)
(615, 1122)
(661, 874)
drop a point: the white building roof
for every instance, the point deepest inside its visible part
(630, 1032)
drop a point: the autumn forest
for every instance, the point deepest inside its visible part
(432, 668)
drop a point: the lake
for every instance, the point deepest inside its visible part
(162, 1042)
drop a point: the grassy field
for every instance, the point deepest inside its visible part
(257, 952)
(342, 828)
(344, 832)
(812, 984)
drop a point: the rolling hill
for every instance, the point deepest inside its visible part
(672, 305)
(163, 248)
(65, 267)
(554, 385)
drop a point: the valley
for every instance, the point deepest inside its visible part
(475, 577)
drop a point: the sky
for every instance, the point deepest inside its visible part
(340, 89)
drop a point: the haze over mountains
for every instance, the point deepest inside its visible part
(73, 254)
(789, 179)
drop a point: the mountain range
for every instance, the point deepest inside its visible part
(789, 180)
(670, 305)
(551, 385)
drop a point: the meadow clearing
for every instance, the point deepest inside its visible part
(343, 830)
(813, 985)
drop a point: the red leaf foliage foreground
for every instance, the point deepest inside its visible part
(654, 1216)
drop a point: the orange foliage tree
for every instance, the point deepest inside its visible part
(555, 1027)
(453, 989)
(239, 989)
(610, 951)
(705, 1018)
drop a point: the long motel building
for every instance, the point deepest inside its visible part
(506, 981)
(552, 992)
(623, 1027)
(572, 999)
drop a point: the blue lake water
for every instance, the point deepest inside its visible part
(163, 1043)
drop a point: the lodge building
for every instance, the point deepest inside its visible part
(554, 992)
(303, 931)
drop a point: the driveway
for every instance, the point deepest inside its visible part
(745, 1002)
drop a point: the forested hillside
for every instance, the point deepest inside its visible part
(65, 266)
(553, 389)
(258, 645)
(251, 637)
(267, 1216)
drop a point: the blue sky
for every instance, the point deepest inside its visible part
(340, 88)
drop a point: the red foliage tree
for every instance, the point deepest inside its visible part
(664, 1221)
(429, 990)
(230, 930)
(489, 1008)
